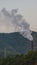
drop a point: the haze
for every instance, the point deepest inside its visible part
(28, 8)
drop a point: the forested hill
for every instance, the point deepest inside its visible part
(15, 43)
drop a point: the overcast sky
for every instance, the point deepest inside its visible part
(28, 8)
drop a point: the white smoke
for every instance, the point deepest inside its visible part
(14, 22)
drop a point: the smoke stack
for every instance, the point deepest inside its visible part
(32, 46)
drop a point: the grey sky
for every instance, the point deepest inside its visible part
(28, 8)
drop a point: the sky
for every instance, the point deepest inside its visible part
(28, 8)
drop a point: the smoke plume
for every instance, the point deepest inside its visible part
(14, 22)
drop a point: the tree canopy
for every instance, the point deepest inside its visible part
(29, 59)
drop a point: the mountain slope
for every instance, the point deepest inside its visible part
(15, 43)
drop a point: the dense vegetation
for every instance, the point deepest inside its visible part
(28, 59)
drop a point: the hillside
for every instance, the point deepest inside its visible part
(15, 43)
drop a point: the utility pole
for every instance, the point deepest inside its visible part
(32, 45)
(5, 52)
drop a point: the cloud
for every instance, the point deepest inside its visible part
(14, 22)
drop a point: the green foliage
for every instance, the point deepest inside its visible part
(28, 59)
